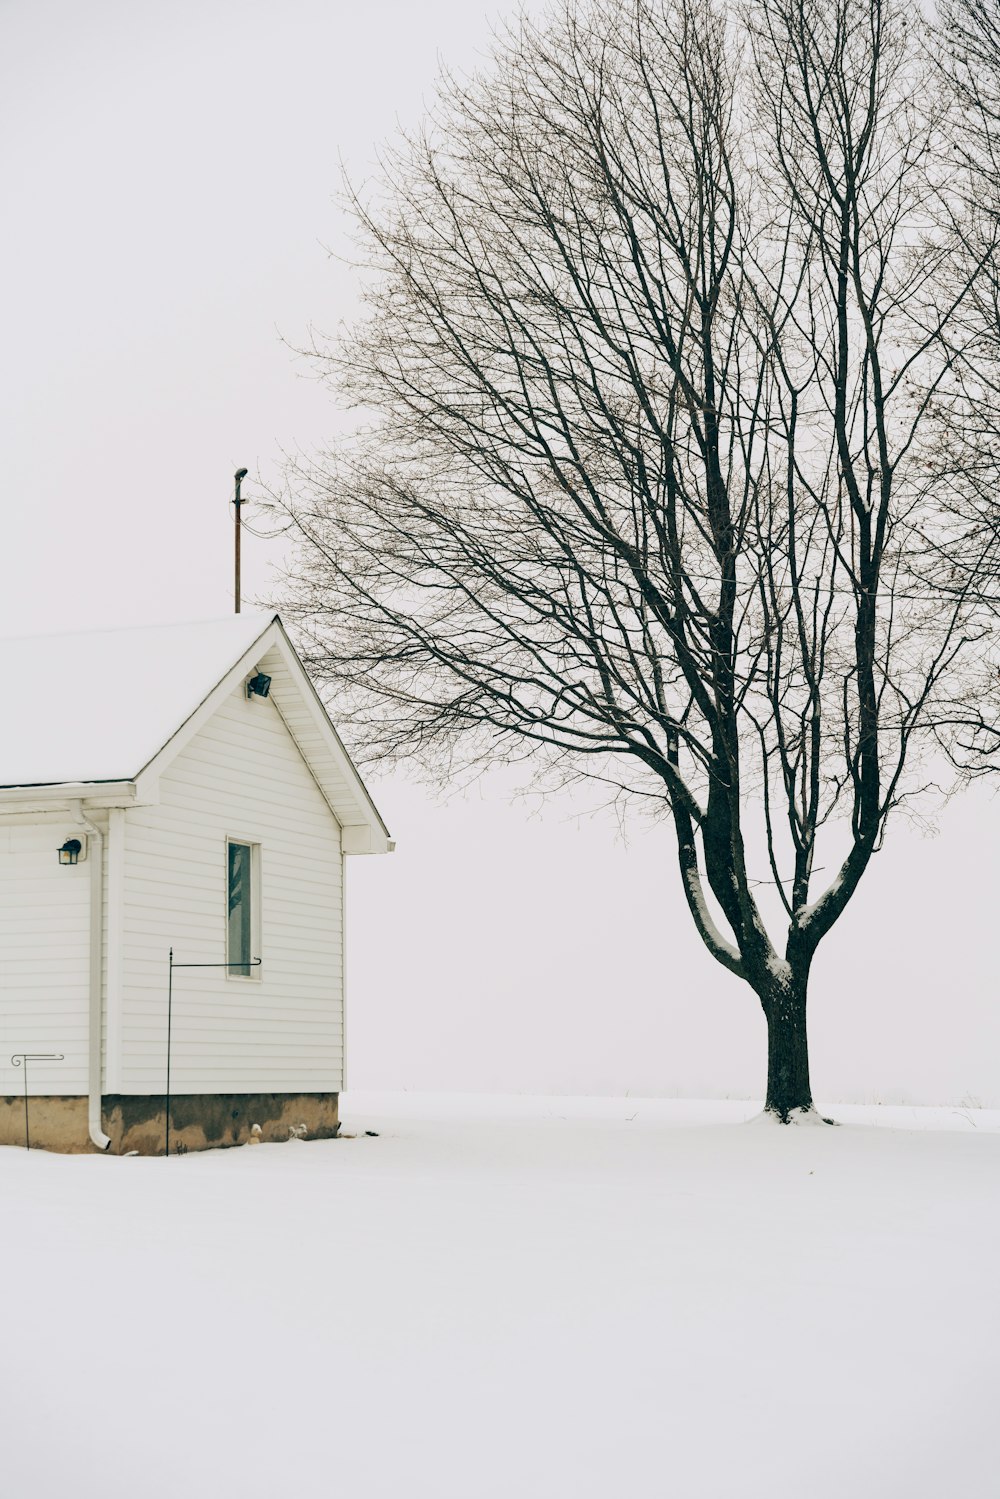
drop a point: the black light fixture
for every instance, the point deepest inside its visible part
(259, 686)
(70, 851)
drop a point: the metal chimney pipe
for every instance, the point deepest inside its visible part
(240, 475)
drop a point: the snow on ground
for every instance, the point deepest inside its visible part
(530, 1298)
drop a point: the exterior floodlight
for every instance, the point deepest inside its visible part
(70, 851)
(259, 686)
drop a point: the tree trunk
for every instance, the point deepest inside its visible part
(788, 1087)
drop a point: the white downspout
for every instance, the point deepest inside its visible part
(343, 977)
(96, 1013)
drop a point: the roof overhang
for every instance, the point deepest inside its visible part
(64, 793)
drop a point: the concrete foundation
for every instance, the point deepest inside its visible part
(198, 1121)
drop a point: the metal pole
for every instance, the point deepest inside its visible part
(240, 475)
(254, 963)
(170, 1017)
(21, 1059)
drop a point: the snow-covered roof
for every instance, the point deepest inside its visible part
(103, 706)
(97, 706)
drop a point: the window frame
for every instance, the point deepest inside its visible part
(256, 925)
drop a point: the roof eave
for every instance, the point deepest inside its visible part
(55, 793)
(370, 834)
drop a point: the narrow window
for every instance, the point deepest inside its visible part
(241, 908)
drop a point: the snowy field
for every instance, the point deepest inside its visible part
(523, 1299)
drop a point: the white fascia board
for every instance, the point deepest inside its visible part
(317, 709)
(60, 795)
(34, 817)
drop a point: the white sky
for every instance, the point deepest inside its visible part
(167, 174)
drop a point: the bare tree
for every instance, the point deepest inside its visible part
(657, 312)
(966, 57)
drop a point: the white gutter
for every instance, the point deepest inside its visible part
(96, 861)
(98, 794)
(343, 976)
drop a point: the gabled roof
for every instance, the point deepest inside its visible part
(108, 707)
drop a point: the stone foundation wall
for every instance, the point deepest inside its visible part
(198, 1121)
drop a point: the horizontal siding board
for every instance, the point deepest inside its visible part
(193, 1051)
(310, 1019)
(301, 1029)
(154, 956)
(323, 1082)
(148, 836)
(193, 1058)
(237, 1001)
(26, 963)
(202, 794)
(49, 918)
(304, 1028)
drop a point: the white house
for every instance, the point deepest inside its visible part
(172, 787)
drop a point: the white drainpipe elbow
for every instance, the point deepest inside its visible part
(96, 1007)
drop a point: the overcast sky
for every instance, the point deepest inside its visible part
(168, 173)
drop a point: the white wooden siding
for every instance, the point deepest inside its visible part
(44, 958)
(241, 776)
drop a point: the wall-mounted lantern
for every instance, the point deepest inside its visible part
(259, 685)
(70, 851)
